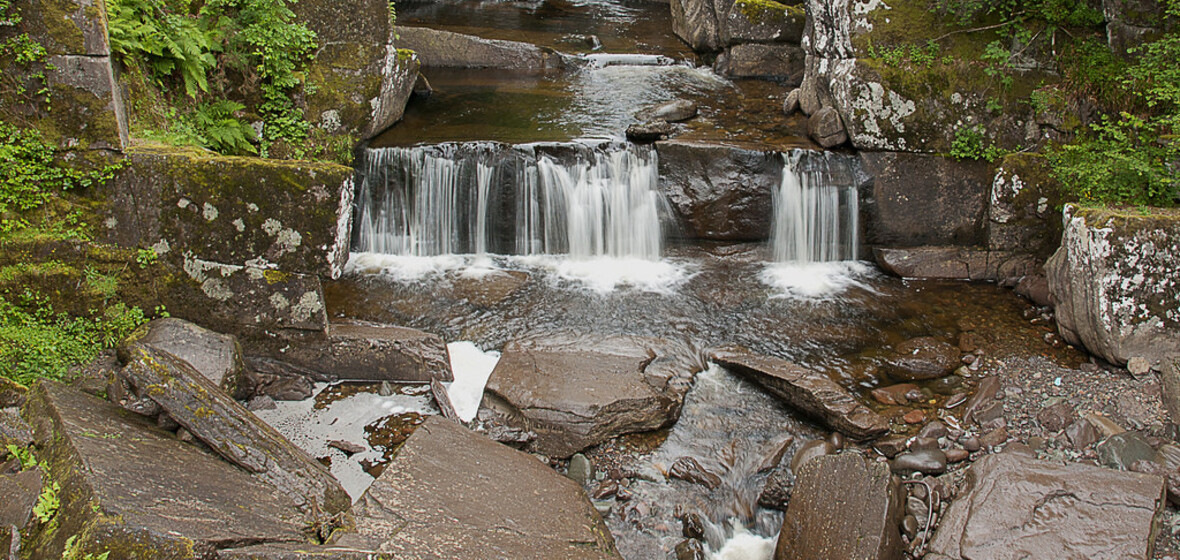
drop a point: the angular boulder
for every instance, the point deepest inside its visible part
(760, 21)
(445, 49)
(843, 506)
(756, 60)
(720, 192)
(826, 129)
(216, 356)
(13, 430)
(1022, 213)
(950, 195)
(576, 393)
(213, 417)
(1113, 283)
(372, 352)
(695, 22)
(1020, 507)
(452, 493)
(136, 491)
(812, 393)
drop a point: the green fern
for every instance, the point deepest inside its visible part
(221, 131)
(172, 44)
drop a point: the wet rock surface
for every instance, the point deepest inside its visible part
(427, 504)
(216, 356)
(373, 352)
(720, 192)
(576, 393)
(446, 49)
(922, 358)
(952, 262)
(843, 506)
(810, 392)
(1017, 506)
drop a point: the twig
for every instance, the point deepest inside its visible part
(929, 510)
(984, 28)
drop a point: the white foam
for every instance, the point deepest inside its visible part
(819, 280)
(471, 367)
(404, 268)
(606, 274)
(345, 419)
(744, 545)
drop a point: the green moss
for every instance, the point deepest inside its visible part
(768, 11)
(59, 25)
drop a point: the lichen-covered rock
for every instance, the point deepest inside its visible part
(951, 196)
(1130, 23)
(756, 60)
(1022, 213)
(131, 489)
(213, 417)
(361, 80)
(216, 356)
(574, 393)
(452, 493)
(290, 215)
(1115, 283)
(695, 22)
(445, 49)
(246, 300)
(720, 192)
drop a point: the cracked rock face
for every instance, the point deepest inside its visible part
(576, 393)
(1020, 507)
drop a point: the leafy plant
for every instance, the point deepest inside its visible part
(972, 143)
(73, 551)
(23, 456)
(171, 43)
(1121, 160)
(22, 51)
(146, 257)
(48, 502)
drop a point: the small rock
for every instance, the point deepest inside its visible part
(922, 358)
(674, 111)
(994, 438)
(385, 390)
(810, 450)
(956, 455)
(916, 416)
(971, 444)
(607, 489)
(985, 393)
(826, 128)
(1037, 443)
(1138, 366)
(927, 461)
(580, 469)
(1017, 448)
(934, 430)
(922, 444)
(690, 549)
(837, 440)
(955, 400)
(989, 412)
(791, 103)
(649, 131)
(1120, 451)
(692, 526)
(1056, 417)
(261, 402)
(893, 394)
(1105, 426)
(690, 470)
(890, 446)
(346, 446)
(916, 507)
(909, 526)
(776, 450)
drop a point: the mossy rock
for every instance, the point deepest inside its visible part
(761, 21)
(1023, 214)
(66, 27)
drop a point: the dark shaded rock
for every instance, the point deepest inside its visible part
(690, 549)
(18, 494)
(953, 263)
(126, 485)
(647, 132)
(370, 352)
(1056, 417)
(13, 430)
(719, 192)
(347, 446)
(444, 49)
(934, 430)
(285, 387)
(1170, 386)
(754, 60)
(890, 446)
(843, 506)
(428, 503)
(776, 493)
(216, 356)
(574, 393)
(690, 470)
(231, 430)
(1111, 293)
(1081, 434)
(1019, 507)
(244, 212)
(825, 128)
(950, 195)
(994, 438)
(791, 102)
(810, 450)
(1035, 288)
(922, 358)
(695, 22)
(1023, 214)
(774, 453)
(956, 455)
(692, 526)
(1120, 451)
(810, 392)
(11, 393)
(925, 461)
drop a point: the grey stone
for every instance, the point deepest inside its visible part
(1138, 366)
(574, 393)
(673, 111)
(429, 503)
(1113, 285)
(231, 430)
(922, 358)
(216, 356)
(1056, 417)
(372, 352)
(1120, 451)
(444, 49)
(247, 301)
(825, 128)
(953, 263)
(580, 469)
(1170, 387)
(18, 495)
(791, 103)
(925, 461)
(843, 506)
(1035, 288)
(984, 394)
(754, 60)
(1020, 507)
(13, 430)
(759, 22)
(1081, 434)
(810, 392)
(130, 486)
(261, 402)
(695, 22)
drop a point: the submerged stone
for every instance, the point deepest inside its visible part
(922, 358)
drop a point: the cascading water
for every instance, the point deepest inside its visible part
(815, 217)
(478, 198)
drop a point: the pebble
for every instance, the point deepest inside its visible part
(837, 440)
(934, 429)
(692, 526)
(955, 400)
(580, 469)
(916, 507)
(927, 461)
(607, 489)
(1138, 366)
(971, 444)
(346, 446)
(994, 438)
(956, 455)
(909, 525)
(915, 416)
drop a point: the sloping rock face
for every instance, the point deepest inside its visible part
(362, 82)
(843, 506)
(452, 493)
(719, 192)
(445, 49)
(249, 301)
(1020, 507)
(136, 491)
(1114, 284)
(85, 110)
(216, 356)
(950, 196)
(193, 401)
(289, 215)
(576, 393)
(811, 392)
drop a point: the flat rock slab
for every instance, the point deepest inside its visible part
(843, 506)
(1019, 507)
(455, 494)
(137, 491)
(954, 263)
(576, 393)
(216, 356)
(229, 429)
(445, 49)
(810, 392)
(364, 352)
(301, 551)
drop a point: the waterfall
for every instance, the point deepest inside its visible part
(815, 210)
(526, 200)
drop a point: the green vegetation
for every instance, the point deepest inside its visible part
(972, 143)
(20, 50)
(194, 51)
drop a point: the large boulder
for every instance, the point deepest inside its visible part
(213, 417)
(709, 25)
(695, 22)
(1113, 283)
(361, 81)
(843, 506)
(446, 49)
(216, 356)
(1020, 507)
(131, 489)
(575, 393)
(291, 215)
(452, 493)
(755, 60)
(810, 392)
(951, 196)
(720, 192)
